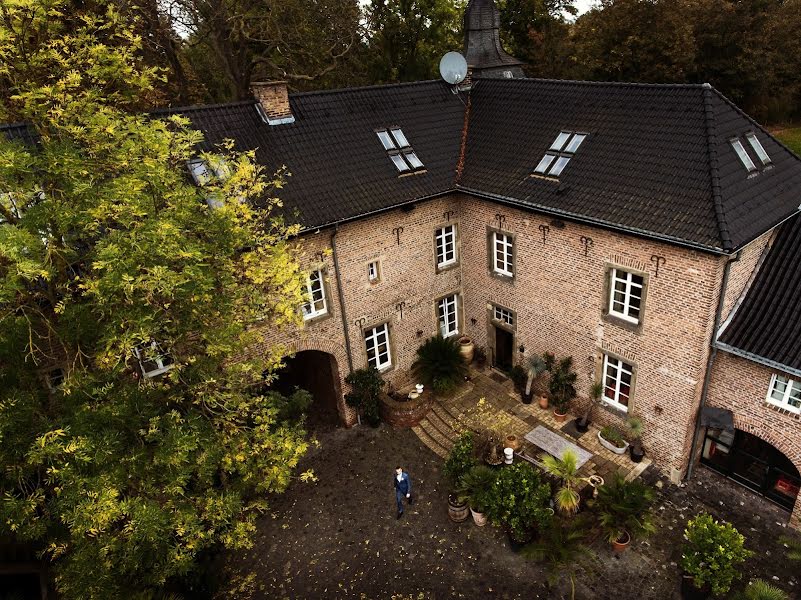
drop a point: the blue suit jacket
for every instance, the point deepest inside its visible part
(404, 486)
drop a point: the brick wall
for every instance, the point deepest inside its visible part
(741, 386)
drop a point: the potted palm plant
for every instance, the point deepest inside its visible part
(475, 489)
(562, 388)
(535, 366)
(565, 469)
(583, 423)
(440, 365)
(624, 510)
(636, 451)
(458, 464)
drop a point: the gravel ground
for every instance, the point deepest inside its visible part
(339, 538)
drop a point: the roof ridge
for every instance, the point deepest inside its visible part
(634, 84)
(196, 107)
(359, 88)
(714, 172)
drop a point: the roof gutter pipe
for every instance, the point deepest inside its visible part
(341, 295)
(712, 354)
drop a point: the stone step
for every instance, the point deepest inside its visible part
(445, 423)
(432, 444)
(436, 435)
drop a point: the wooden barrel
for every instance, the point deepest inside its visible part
(458, 512)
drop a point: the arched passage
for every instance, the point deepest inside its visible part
(753, 462)
(318, 373)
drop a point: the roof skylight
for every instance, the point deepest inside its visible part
(757, 146)
(744, 157)
(559, 154)
(399, 150)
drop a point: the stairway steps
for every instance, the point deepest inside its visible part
(432, 444)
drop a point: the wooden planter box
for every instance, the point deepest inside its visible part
(407, 413)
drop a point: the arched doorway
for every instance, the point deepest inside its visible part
(754, 463)
(316, 372)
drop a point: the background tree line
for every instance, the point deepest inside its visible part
(213, 49)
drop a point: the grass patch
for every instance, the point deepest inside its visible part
(791, 137)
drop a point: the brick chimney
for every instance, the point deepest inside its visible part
(273, 101)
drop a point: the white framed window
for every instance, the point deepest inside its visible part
(316, 304)
(446, 245)
(503, 315)
(502, 254)
(376, 342)
(153, 361)
(399, 149)
(758, 149)
(625, 295)
(617, 382)
(785, 392)
(557, 157)
(373, 272)
(743, 155)
(448, 315)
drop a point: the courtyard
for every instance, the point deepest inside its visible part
(339, 537)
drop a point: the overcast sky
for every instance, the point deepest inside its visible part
(584, 5)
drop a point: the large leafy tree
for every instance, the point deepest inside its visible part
(124, 480)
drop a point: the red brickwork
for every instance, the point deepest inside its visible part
(273, 97)
(741, 386)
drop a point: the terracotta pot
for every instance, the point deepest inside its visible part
(543, 402)
(560, 417)
(512, 442)
(479, 519)
(620, 544)
(466, 348)
(457, 511)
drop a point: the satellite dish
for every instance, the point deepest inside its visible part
(453, 68)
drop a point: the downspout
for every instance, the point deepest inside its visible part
(713, 353)
(341, 295)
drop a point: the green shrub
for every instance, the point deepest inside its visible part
(461, 459)
(713, 553)
(367, 385)
(439, 364)
(759, 589)
(625, 505)
(519, 500)
(562, 384)
(612, 435)
(292, 408)
(518, 375)
(476, 487)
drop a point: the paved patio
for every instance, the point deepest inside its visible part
(489, 401)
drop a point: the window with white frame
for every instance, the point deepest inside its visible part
(315, 292)
(503, 315)
(153, 361)
(756, 145)
(373, 272)
(446, 245)
(399, 150)
(785, 392)
(204, 172)
(743, 155)
(617, 382)
(448, 316)
(502, 254)
(625, 295)
(560, 153)
(376, 341)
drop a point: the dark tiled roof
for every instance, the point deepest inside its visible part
(657, 158)
(339, 169)
(767, 324)
(18, 132)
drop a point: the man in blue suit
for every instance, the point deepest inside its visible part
(403, 488)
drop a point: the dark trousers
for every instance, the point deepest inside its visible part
(399, 496)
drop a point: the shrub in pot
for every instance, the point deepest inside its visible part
(583, 422)
(518, 501)
(624, 510)
(562, 386)
(439, 364)
(366, 385)
(612, 439)
(475, 489)
(460, 461)
(636, 451)
(535, 367)
(712, 554)
(565, 469)
(518, 376)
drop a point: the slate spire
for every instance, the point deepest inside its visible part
(482, 42)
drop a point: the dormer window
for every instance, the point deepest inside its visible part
(559, 154)
(153, 361)
(399, 150)
(757, 146)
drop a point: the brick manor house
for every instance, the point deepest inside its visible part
(651, 232)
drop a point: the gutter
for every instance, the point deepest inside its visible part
(709, 363)
(341, 295)
(759, 359)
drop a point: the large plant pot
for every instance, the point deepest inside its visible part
(479, 519)
(560, 417)
(690, 592)
(610, 446)
(636, 452)
(582, 425)
(513, 442)
(406, 413)
(526, 398)
(619, 545)
(466, 348)
(543, 402)
(457, 511)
